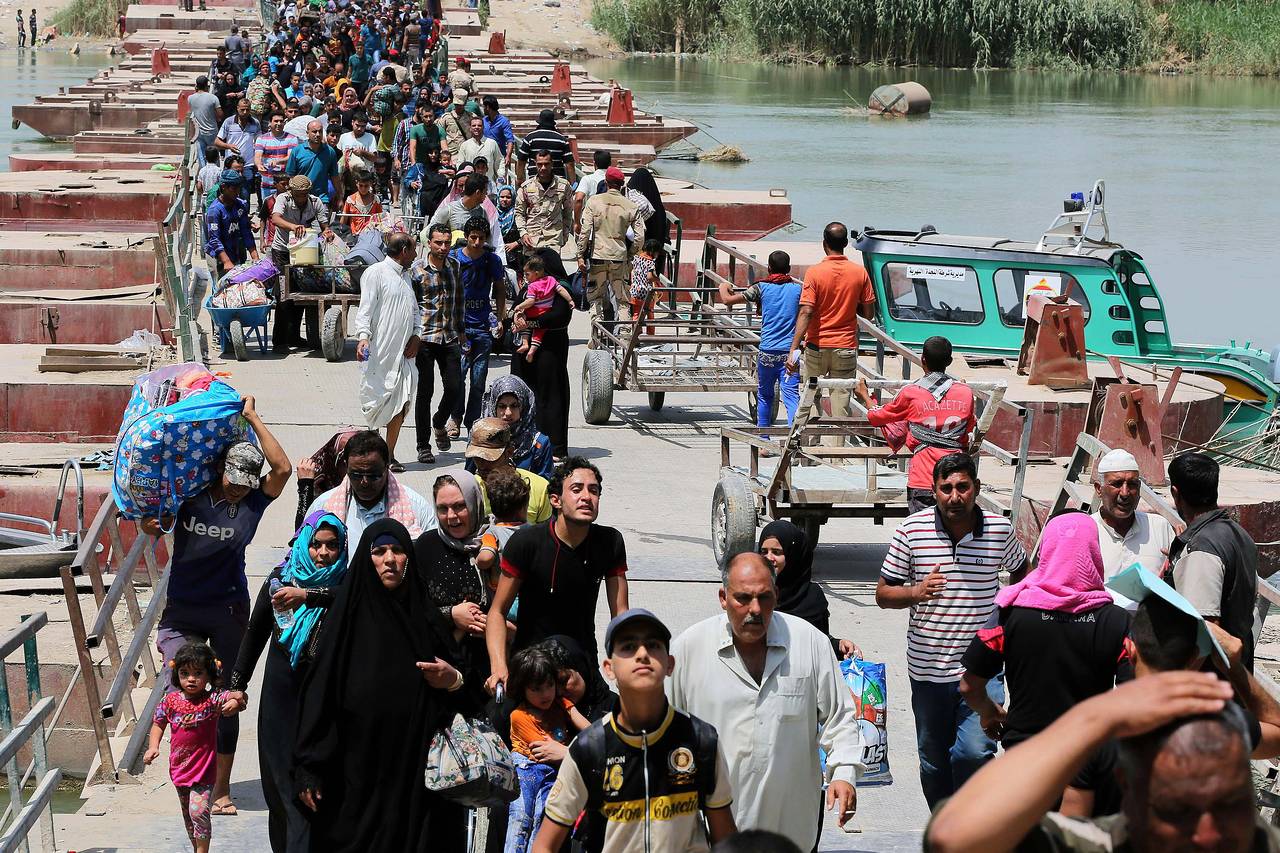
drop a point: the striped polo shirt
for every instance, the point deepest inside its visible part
(546, 139)
(940, 630)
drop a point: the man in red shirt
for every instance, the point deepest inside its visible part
(933, 417)
(835, 292)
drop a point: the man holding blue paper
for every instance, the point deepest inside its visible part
(1167, 635)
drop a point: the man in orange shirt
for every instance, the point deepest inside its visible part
(835, 292)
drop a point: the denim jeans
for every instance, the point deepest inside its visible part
(475, 375)
(949, 736)
(771, 370)
(526, 812)
(448, 358)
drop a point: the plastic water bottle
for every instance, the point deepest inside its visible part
(284, 618)
(495, 328)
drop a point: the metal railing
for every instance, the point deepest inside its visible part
(20, 818)
(176, 253)
(708, 285)
(129, 659)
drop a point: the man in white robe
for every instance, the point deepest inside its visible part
(389, 329)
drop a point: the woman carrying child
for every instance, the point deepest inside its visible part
(542, 715)
(540, 296)
(191, 712)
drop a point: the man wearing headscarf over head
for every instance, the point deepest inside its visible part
(789, 553)
(382, 685)
(1056, 634)
(1126, 534)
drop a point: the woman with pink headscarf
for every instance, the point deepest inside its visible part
(1056, 634)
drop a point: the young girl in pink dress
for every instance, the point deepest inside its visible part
(192, 713)
(540, 292)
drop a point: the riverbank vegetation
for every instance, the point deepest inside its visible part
(90, 17)
(1219, 37)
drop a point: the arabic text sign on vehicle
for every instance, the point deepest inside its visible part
(936, 272)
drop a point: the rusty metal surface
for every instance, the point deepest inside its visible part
(1053, 350)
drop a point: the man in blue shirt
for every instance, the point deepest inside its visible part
(208, 597)
(779, 297)
(482, 276)
(228, 234)
(371, 38)
(498, 128)
(316, 160)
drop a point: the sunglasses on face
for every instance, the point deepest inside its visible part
(366, 476)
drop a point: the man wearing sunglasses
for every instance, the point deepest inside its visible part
(370, 492)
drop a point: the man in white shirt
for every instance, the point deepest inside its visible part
(589, 184)
(357, 142)
(1126, 534)
(479, 145)
(389, 328)
(767, 682)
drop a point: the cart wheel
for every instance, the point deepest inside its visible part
(333, 334)
(812, 528)
(656, 399)
(733, 518)
(235, 331)
(597, 387)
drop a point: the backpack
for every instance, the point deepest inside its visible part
(589, 750)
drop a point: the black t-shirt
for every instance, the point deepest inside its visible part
(1052, 660)
(560, 585)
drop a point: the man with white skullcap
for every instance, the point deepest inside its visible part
(1126, 534)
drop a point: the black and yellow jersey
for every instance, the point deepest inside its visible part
(647, 787)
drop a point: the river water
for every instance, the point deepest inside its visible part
(1190, 164)
(28, 73)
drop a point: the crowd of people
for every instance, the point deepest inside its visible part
(347, 122)
(1081, 696)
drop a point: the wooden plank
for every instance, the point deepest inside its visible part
(87, 365)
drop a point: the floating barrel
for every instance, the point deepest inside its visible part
(900, 99)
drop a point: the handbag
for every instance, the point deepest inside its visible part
(467, 763)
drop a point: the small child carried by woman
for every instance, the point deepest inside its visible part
(540, 295)
(542, 717)
(191, 712)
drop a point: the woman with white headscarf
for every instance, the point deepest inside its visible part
(446, 557)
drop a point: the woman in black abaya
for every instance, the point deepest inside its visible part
(785, 547)
(548, 373)
(381, 686)
(656, 226)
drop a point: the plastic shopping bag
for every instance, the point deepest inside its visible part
(869, 686)
(178, 423)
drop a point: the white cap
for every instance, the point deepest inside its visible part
(1117, 460)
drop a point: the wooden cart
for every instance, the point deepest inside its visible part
(333, 306)
(790, 474)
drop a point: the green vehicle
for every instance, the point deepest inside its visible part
(973, 289)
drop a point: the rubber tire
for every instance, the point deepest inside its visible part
(733, 518)
(752, 402)
(333, 334)
(597, 387)
(656, 399)
(235, 331)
